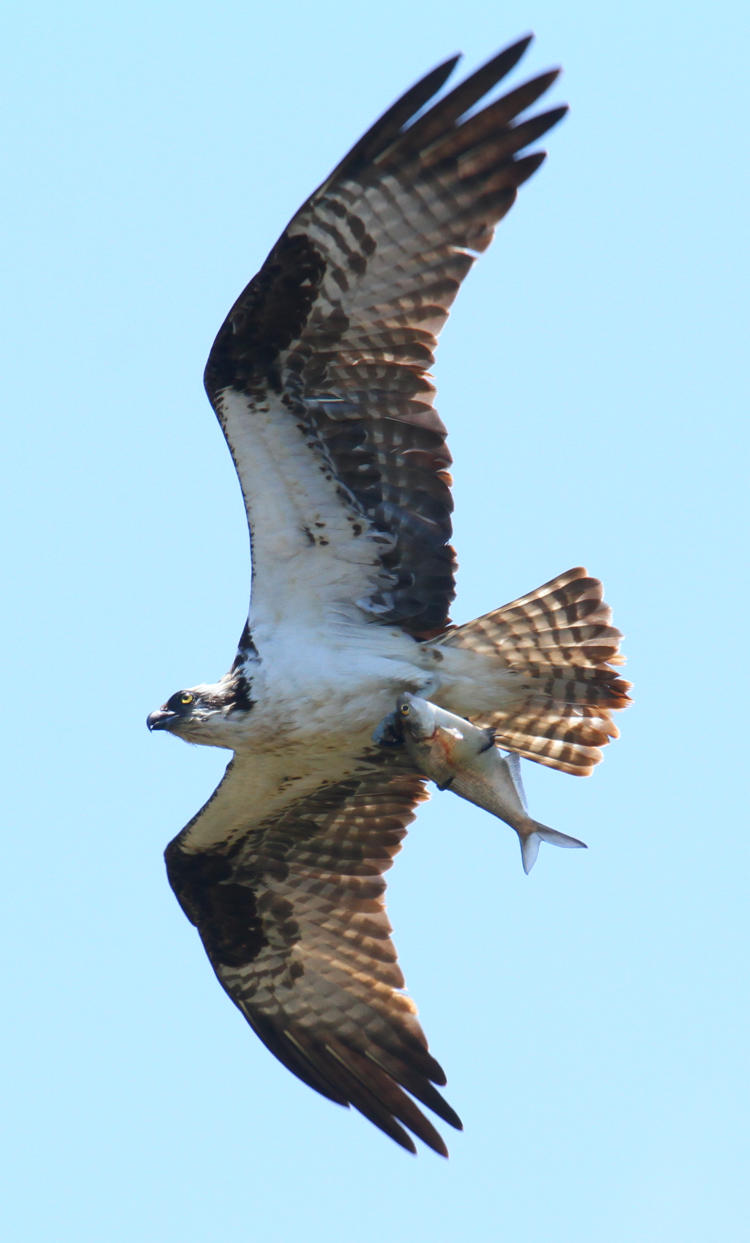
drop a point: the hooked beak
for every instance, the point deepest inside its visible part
(161, 719)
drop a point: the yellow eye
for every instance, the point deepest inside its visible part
(186, 698)
(404, 709)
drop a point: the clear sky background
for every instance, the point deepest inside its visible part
(592, 1018)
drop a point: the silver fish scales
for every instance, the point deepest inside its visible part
(463, 758)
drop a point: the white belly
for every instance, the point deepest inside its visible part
(325, 695)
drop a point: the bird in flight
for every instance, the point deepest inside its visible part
(319, 377)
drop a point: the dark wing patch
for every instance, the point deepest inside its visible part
(267, 319)
(343, 317)
(293, 920)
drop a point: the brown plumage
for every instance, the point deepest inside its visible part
(319, 379)
(342, 319)
(560, 644)
(292, 917)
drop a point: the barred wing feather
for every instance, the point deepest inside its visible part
(291, 913)
(319, 375)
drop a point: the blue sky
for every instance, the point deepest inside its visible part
(593, 1017)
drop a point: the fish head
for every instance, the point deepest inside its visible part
(416, 717)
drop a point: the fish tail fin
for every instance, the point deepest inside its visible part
(530, 843)
(530, 832)
(544, 679)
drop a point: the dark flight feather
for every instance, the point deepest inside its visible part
(342, 319)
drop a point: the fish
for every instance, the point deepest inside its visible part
(463, 758)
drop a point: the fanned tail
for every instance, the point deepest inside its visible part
(551, 654)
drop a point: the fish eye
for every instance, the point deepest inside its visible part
(186, 698)
(404, 709)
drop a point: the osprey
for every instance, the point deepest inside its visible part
(319, 378)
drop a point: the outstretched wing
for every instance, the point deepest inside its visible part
(292, 917)
(319, 373)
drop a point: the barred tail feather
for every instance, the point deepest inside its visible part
(552, 653)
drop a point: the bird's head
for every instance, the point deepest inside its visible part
(180, 714)
(206, 714)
